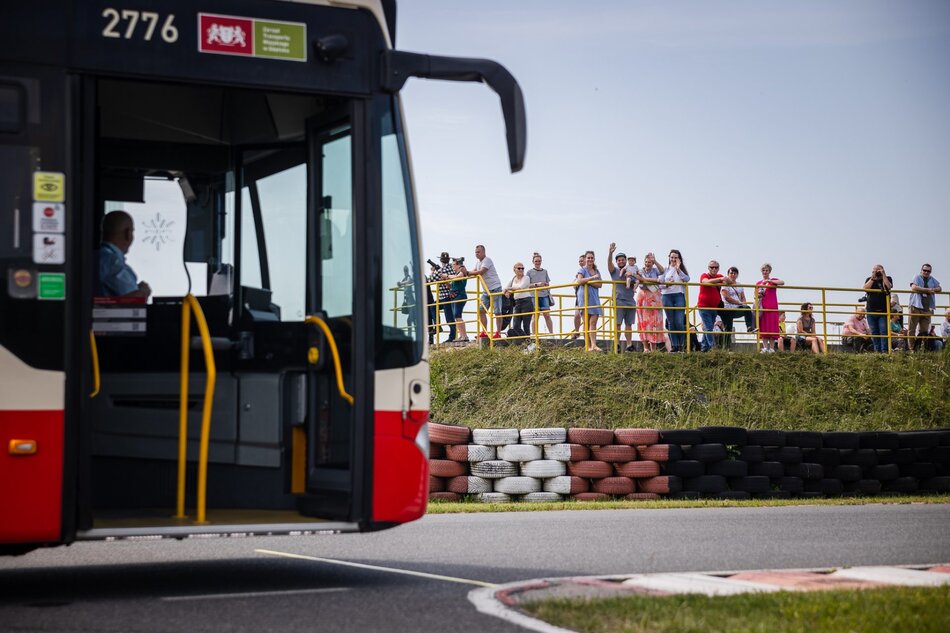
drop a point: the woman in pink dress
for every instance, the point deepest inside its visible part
(649, 306)
(767, 297)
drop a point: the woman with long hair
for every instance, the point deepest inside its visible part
(767, 298)
(459, 282)
(674, 299)
(648, 303)
(805, 330)
(523, 310)
(588, 299)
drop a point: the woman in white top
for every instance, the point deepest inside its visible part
(524, 301)
(674, 299)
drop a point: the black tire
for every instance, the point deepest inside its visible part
(825, 486)
(737, 495)
(840, 439)
(920, 470)
(901, 456)
(803, 439)
(733, 435)
(791, 484)
(708, 484)
(751, 484)
(767, 469)
(805, 471)
(884, 472)
(919, 439)
(681, 437)
(847, 472)
(863, 487)
(752, 454)
(879, 439)
(937, 455)
(765, 437)
(863, 457)
(785, 455)
(903, 485)
(937, 484)
(683, 494)
(728, 468)
(809, 495)
(827, 457)
(773, 494)
(944, 437)
(684, 468)
(707, 453)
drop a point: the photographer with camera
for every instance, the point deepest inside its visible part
(878, 286)
(441, 273)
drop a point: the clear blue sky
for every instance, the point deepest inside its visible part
(811, 134)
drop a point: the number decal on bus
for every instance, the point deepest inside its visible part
(149, 19)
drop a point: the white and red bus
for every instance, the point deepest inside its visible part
(259, 147)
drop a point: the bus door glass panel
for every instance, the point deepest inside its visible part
(336, 225)
(156, 254)
(250, 264)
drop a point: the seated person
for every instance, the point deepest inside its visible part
(784, 340)
(898, 334)
(855, 332)
(806, 331)
(116, 278)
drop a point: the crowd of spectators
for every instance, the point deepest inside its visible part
(655, 295)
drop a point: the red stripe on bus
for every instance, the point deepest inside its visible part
(400, 470)
(31, 484)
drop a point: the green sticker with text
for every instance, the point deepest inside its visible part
(283, 40)
(51, 286)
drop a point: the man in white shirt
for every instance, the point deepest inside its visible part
(485, 268)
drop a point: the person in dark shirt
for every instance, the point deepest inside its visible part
(879, 287)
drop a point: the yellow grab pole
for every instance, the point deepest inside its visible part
(183, 408)
(206, 410)
(94, 352)
(824, 320)
(334, 353)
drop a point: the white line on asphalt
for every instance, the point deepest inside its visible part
(393, 570)
(254, 594)
(486, 602)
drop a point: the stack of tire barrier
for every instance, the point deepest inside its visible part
(495, 465)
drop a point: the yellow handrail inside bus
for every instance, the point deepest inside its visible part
(333, 352)
(189, 304)
(94, 351)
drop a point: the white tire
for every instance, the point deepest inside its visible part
(542, 496)
(519, 452)
(560, 485)
(543, 436)
(470, 453)
(492, 497)
(494, 469)
(563, 452)
(543, 468)
(468, 485)
(494, 437)
(517, 485)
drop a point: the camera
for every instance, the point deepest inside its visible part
(432, 263)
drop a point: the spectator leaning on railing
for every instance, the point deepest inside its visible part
(674, 299)
(540, 279)
(589, 283)
(734, 300)
(648, 303)
(879, 286)
(460, 296)
(485, 268)
(441, 275)
(767, 297)
(922, 302)
(524, 301)
(709, 302)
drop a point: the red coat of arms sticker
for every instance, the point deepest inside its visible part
(225, 34)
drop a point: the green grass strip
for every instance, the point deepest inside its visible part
(911, 609)
(448, 507)
(512, 387)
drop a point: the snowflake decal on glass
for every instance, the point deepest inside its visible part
(157, 231)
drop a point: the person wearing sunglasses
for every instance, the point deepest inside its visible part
(523, 310)
(709, 302)
(923, 298)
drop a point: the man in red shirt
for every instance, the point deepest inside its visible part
(709, 302)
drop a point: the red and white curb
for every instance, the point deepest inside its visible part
(502, 601)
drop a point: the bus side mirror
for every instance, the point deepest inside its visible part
(399, 66)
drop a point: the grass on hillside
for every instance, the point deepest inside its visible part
(911, 609)
(511, 387)
(468, 507)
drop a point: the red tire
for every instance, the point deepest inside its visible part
(642, 496)
(436, 484)
(660, 485)
(636, 437)
(444, 496)
(590, 496)
(448, 433)
(655, 453)
(638, 469)
(436, 451)
(446, 468)
(590, 469)
(614, 453)
(590, 437)
(614, 485)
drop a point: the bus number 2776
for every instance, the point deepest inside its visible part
(123, 24)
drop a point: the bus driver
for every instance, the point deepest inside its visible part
(116, 278)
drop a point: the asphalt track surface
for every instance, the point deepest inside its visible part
(416, 578)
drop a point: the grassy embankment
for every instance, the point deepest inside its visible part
(509, 387)
(911, 609)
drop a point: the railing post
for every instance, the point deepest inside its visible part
(824, 319)
(758, 324)
(438, 314)
(887, 309)
(537, 321)
(688, 332)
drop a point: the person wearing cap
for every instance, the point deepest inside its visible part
(709, 302)
(441, 274)
(625, 301)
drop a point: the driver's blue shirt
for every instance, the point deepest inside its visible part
(116, 278)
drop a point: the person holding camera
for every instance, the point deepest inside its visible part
(878, 287)
(440, 274)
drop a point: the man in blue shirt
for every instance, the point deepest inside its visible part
(116, 278)
(924, 289)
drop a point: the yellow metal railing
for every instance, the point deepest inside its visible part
(188, 305)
